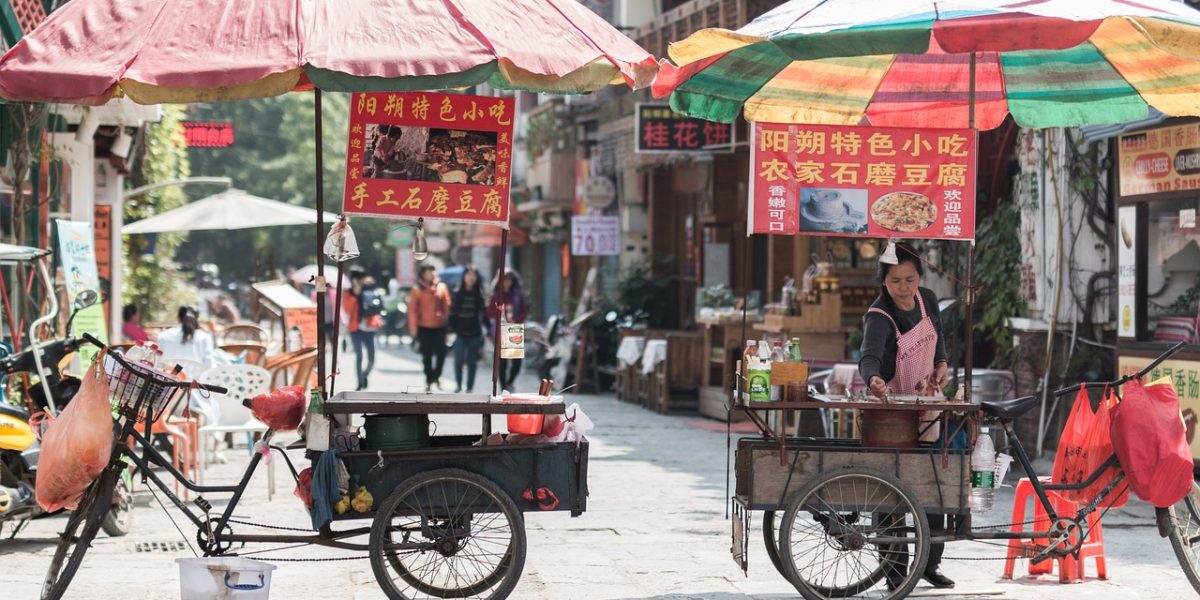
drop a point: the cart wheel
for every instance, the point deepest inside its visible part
(847, 528)
(1185, 534)
(770, 528)
(448, 533)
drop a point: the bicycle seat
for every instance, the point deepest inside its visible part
(1008, 409)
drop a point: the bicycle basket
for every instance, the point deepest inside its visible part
(135, 386)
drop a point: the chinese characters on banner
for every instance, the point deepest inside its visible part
(438, 156)
(1165, 159)
(660, 129)
(862, 181)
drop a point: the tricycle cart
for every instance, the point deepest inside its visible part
(840, 518)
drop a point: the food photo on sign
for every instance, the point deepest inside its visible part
(425, 154)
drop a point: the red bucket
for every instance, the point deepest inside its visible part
(526, 424)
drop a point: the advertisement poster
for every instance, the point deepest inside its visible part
(103, 241)
(1127, 271)
(660, 129)
(1165, 159)
(1185, 374)
(77, 250)
(437, 156)
(862, 181)
(305, 320)
(595, 236)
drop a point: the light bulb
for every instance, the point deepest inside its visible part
(420, 250)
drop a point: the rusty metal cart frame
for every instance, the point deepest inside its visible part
(849, 516)
(438, 504)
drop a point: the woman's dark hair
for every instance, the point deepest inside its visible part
(128, 312)
(189, 321)
(462, 283)
(905, 253)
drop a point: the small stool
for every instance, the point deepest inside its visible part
(1070, 569)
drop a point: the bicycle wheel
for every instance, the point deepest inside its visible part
(1185, 534)
(78, 534)
(119, 518)
(770, 530)
(448, 533)
(844, 530)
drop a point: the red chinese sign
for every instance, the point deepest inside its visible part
(862, 181)
(437, 156)
(208, 135)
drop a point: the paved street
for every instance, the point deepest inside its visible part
(655, 529)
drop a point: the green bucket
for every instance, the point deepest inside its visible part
(397, 432)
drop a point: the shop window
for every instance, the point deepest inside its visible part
(1172, 268)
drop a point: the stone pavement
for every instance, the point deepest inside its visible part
(655, 529)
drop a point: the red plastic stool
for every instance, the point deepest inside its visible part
(1070, 570)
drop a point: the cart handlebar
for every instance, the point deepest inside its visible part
(1150, 367)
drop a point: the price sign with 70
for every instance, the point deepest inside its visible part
(595, 236)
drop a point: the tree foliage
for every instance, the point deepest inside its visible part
(273, 156)
(152, 281)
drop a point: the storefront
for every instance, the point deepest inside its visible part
(1158, 256)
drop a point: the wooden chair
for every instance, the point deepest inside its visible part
(245, 333)
(300, 365)
(270, 362)
(256, 354)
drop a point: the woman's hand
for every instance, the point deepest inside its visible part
(878, 387)
(940, 375)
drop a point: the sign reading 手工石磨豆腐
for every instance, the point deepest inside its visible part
(437, 156)
(862, 181)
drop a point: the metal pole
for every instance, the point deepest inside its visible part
(499, 292)
(320, 244)
(970, 303)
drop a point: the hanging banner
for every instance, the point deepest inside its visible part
(1127, 271)
(595, 236)
(862, 181)
(1164, 159)
(660, 129)
(437, 156)
(77, 251)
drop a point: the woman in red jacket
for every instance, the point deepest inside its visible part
(428, 310)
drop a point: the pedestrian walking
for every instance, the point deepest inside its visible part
(516, 309)
(428, 310)
(362, 310)
(467, 317)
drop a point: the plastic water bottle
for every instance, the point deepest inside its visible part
(983, 472)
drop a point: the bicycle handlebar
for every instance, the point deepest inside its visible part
(1150, 367)
(216, 389)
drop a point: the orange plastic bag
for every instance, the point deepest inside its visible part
(1087, 449)
(77, 445)
(1149, 437)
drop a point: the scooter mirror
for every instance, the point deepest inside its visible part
(85, 299)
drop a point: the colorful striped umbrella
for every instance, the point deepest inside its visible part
(906, 63)
(160, 51)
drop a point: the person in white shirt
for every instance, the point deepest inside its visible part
(188, 340)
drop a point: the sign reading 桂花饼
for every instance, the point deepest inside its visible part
(660, 129)
(862, 181)
(1163, 159)
(1185, 377)
(424, 154)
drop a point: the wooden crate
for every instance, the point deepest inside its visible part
(825, 316)
(765, 484)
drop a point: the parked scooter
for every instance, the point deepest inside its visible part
(19, 447)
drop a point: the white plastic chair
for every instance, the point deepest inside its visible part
(242, 382)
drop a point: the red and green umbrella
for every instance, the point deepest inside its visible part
(906, 63)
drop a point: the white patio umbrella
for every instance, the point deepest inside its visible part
(231, 209)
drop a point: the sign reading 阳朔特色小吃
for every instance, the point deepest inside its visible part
(862, 181)
(431, 155)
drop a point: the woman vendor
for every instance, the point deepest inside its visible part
(904, 352)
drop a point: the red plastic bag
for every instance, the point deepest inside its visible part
(1148, 435)
(303, 489)
(1085, 446)
(77, 445)
(282, 409)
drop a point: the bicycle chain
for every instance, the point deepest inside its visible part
(275, 527)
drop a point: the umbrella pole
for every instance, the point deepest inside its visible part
(320, 243)
(970, 303)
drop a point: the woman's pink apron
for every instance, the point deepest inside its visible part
(915, 351)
